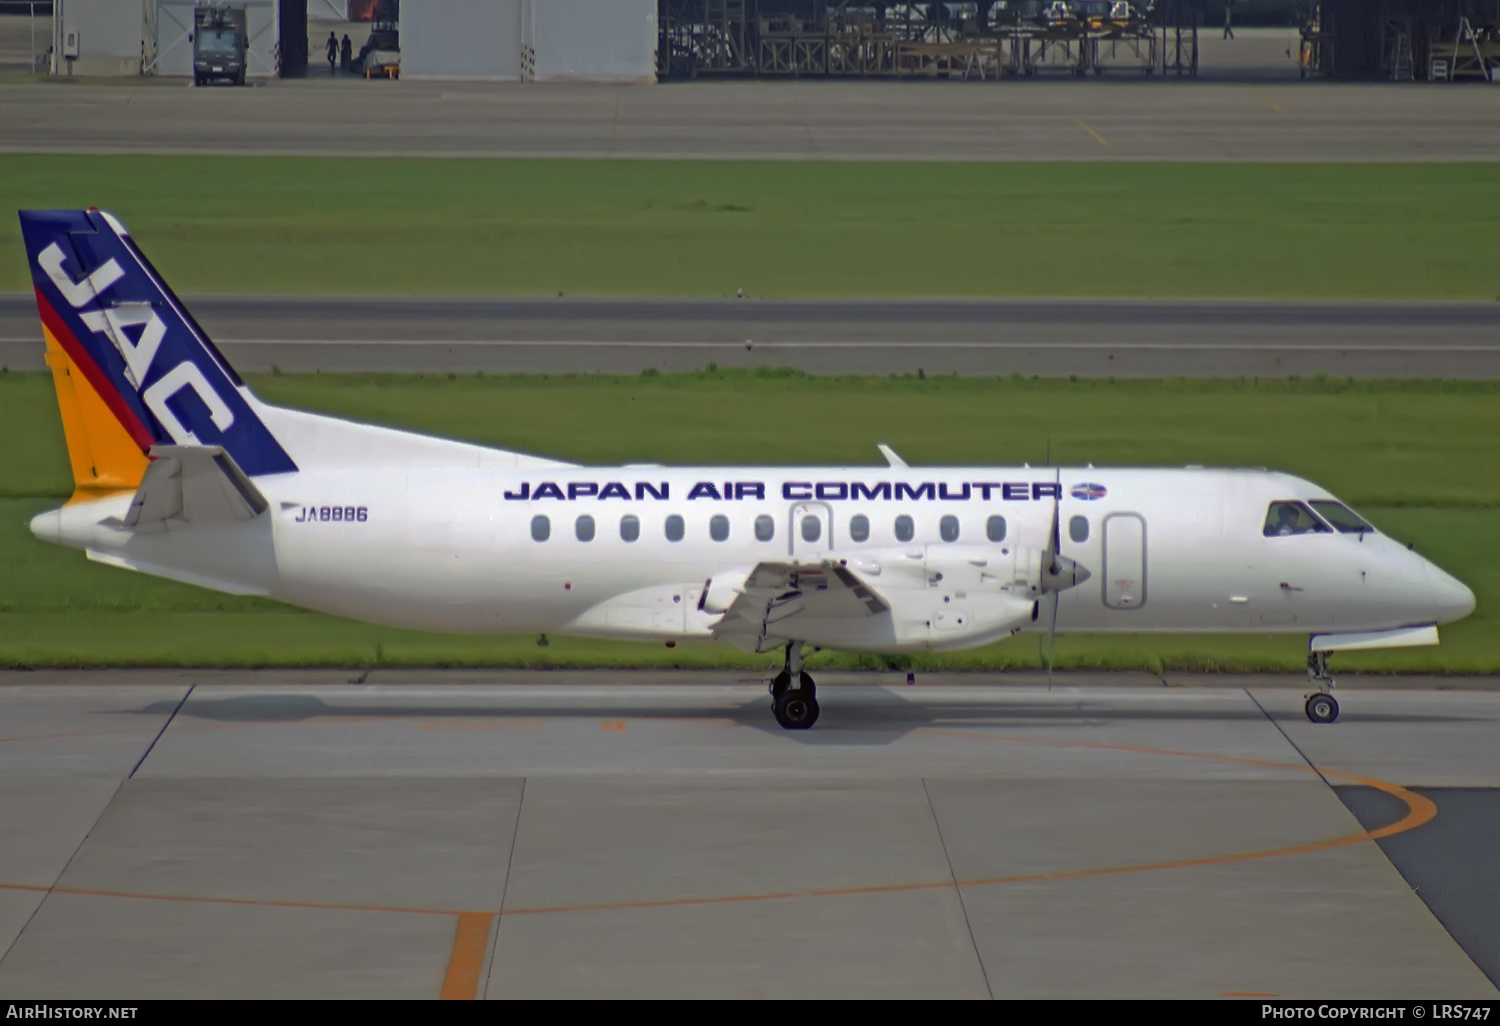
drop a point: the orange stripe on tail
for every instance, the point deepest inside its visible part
(105, 459)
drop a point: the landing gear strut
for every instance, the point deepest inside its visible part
(1321, 706)
(796, 708)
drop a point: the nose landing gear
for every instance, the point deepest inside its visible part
(796, 708)
(1321, 706)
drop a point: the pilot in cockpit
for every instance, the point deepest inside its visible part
(1286, 518)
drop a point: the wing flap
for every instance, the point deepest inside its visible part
(775, 593)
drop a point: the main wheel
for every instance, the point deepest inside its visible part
(805, 682)
(796, 710)
(1322, 708)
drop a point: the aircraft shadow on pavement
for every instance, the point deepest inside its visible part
(852, 715)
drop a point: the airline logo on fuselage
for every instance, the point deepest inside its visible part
(828, 491)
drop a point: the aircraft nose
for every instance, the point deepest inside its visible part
(1451, 598)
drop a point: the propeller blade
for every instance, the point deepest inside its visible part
(1052, 638)
(1049, 552)
(1051, 568)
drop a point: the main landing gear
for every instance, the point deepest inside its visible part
(1321, 706)
(796, 708)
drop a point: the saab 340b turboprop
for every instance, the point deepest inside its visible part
(183, 473)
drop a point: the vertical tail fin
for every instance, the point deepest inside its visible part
(131, 366)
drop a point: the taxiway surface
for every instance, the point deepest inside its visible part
(1029, 120)
(179, 833)
(1100, 338)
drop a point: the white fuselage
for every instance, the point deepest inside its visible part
(454, 548)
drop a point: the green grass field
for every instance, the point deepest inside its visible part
(1411, 456)
(775, 229)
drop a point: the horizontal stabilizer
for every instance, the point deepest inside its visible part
(191, 484)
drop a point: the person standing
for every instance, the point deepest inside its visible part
(333, 51)
(346, 54)
(1228, 28)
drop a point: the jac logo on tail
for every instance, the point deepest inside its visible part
(139, 355)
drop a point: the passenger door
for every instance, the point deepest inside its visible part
(1124, 561)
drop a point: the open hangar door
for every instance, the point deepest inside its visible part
(291, 25)
(172, 30)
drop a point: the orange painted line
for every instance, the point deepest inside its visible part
(470, 940)
(200, 899)
(1097, 137)
(1419, 812)
(1263, 98)
(82, 733)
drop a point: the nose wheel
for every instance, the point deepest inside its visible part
(796, 708)
(1321, 707)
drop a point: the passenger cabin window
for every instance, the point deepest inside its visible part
(583, 527)
(718, 528)
(630, 527)
(541, 528)
(859, 527)
(1284, 518)
(1078, 529)
(1343, 519)
(905, 529)
(765, 528)
(674, 528)
(948, 528)
(994, 529)
(812, 528)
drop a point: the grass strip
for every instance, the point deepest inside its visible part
(783, 229)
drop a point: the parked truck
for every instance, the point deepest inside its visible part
(220, 45)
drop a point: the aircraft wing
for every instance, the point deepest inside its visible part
(188, 484)
(775, 592)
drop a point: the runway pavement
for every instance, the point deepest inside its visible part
(1047, 337)
(1110, 119)
(287, 834)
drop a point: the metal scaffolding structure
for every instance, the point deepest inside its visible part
(847, 38)
(1402, 40)
(1437, 40)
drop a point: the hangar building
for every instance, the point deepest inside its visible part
(647, 40)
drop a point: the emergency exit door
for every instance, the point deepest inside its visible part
(1124, 561)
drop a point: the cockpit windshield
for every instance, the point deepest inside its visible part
(1284, 518)
(1343, 519)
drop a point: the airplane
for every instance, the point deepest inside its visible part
(180, 471)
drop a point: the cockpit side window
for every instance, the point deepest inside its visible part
(1343, 519)
(1285, 518)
